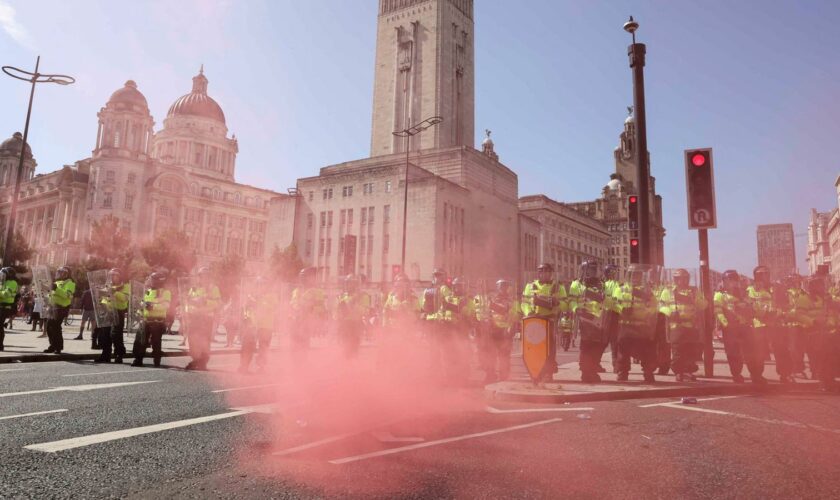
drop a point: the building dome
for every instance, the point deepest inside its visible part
(12, 145)
(614, 184)
(129, 95)
(629, 119)
(197, 102)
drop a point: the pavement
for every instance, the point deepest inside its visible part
(567, 387)
(73, 429)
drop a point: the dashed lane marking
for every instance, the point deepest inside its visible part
(108, 373)
(247, 387)
(799, 425)
(668, 403)
(33, 414)
(314, 444)
(76, 388)
(78, 442)
(490, 409)
(13, 369)
(428, 444)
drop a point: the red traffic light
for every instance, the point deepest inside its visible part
(633, 199)
(698, 159)
(634, 243)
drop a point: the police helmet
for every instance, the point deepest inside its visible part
(503, 286)
(9, 272)
(439, 272)
(761, 271)
(589, 269)
(681, 276)
(545, 267)
(459, 286)
(731, 275)
(610, 271)
(157, 279)
(62, 273)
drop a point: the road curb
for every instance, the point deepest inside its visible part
(549, 397)
(45, 357)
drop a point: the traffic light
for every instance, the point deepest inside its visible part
(700, 189)
(633, 212)
(634, 250)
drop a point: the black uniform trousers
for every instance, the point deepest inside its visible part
(592, 349)
(200, 332)
(112, 338)
(741, 348)
(686, 349)
(152, 336)
(54, 331)
(494, 351)
(5, 312)
(644, 349)
(254, 340)
(829, 362)
(778, 338)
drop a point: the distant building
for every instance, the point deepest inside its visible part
(776, 249)
(819, 246)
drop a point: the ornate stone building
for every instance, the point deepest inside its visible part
(179, 177)
(612, 207)
(819, 246)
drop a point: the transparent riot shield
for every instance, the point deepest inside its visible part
(185, 284)
(42, 281)
(638, 305)
(134, 320)
(103, 297)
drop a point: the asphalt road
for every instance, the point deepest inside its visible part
(160, 433)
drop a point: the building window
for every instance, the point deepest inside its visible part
(386, 214)
(329, 246)
(364, 216)
(107, 200)
(234, 244)
(370, 215)
(129, 201)
(116, 138)
(311, 195)
(309, 218)
(328, 193)
(347, 191)
(370, 245)
(213, 244)
(387, 186)
(329, 218)
(367, 188)
(350, 217)
(323, 219)
(110, 176)
(255, 246)
(321, 247)
(385, 243)
(131, 178)
(308, 248)
(343, 217)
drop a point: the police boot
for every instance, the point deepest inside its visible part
(622, 376)
(649, 378)
(590, 378)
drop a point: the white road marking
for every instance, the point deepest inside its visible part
(774, 421)
(33, 414)
(314, 444)
(78, 442)
(427, 444)
(76, 388)
(387, 437)
(677, 402)
(490, 409)
(246, 388)
(108, 373)
(13, 369)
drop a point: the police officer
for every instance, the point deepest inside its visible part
(61, 296)
(498, 316)
(590, 305)
(827, 339)
(8, 292)
(611, 283)
(683, 306)
(735, 317)
(663, 348)
(113, 336)
(797, 303)
(637, 309)
(768, 330)
(402, 307)
(308, 309)
(351, 312)
(202, 303)
(546, 298)
(815, 313)
(258, 311)
(156, 301)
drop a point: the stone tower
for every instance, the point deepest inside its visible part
(424, 68)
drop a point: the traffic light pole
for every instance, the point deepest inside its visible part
(708, 313)
(636, 53)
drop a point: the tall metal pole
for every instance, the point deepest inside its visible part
(708, 313)
(10, 225)
(405, 204)
(636, 54)
(33, 79)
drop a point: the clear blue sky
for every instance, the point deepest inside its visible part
(757, 80)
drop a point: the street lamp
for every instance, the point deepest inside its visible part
(407, 134)
(636, 53)
(32, 78)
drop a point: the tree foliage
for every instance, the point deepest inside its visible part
(286, 263)
(108, 246)
(227, 274)
(19, 253)
(169, 250)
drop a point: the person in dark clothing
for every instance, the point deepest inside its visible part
(88, 317)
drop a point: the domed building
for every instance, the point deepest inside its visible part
(180, 177)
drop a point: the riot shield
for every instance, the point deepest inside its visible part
(185, 284)
(638, 305)
(134, 320)
(103, 297)
(537, 345)
(42, 286)
(685, 307)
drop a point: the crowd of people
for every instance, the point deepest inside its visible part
(661, 324)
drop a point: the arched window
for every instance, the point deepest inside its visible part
(255, 246)
(192, 235)
(234, 243)
(213, 243)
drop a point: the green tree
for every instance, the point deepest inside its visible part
(19, 253)
(171, 250)
(285, 263)
(108, 246)
(227, 273)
